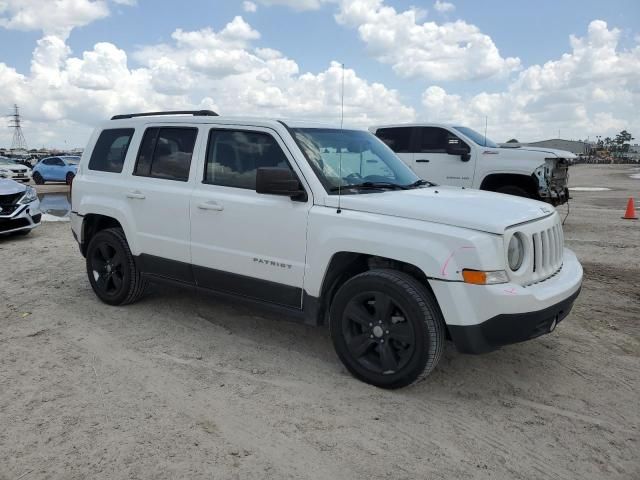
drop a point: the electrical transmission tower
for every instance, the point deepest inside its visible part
(18, 142)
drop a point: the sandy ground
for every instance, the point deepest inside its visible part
(183, 386)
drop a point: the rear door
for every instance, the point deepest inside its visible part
(243, 242)
(56, 169)
(158, 193)
(399, 140)
(432, 162)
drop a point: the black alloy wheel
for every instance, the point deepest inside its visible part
(387, 328)
(37, 178)
(69, 178)
(112, 270)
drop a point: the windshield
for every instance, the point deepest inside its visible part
(72, 160)
(477, 137)
(351, 159)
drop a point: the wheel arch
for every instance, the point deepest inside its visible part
(494, 181)
(93, 223)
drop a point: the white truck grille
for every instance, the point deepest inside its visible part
(545, 245)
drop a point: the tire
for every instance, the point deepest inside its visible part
(395, 345)
(37, 178)
(112, 270)
(69, 178)
(513, 190)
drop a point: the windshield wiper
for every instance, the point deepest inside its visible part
(369, 186)
(419, 183)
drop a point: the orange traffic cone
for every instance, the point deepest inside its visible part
(630, 214)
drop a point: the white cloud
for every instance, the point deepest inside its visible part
(64, 95)
(249, 7)
(595, 89)
(53, 17)
(444, 7)
(449, 51)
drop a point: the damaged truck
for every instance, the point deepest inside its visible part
(460, 156)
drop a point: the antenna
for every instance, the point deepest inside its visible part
(486, 121)
(18, 142)
(340, 156)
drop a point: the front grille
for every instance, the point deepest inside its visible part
(6, 225)
(12, 199)
(8, 209)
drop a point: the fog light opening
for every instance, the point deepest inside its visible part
(553, 325)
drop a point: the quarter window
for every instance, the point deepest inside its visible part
(166, 153)
(233, 157)
(397, 139)
(110, 150)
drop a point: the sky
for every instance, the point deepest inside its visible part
(530, 70)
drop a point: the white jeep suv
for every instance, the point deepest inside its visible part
(460, 156)
(322, 224)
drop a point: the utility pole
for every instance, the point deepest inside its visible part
(18, 142)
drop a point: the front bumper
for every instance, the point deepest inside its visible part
(18, 177)
(23, 217)
(481, 318)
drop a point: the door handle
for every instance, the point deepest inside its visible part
(136, 194)
(422, 160)
(210, 206)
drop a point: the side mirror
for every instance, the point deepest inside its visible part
(279, 181)
(460, 149)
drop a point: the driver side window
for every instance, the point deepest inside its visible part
(435, 140)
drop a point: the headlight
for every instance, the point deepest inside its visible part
(515, 252)
(29, 196)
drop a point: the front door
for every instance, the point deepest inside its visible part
(432, 162)
(243, 242)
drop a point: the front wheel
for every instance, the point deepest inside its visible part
(37, 178)
(112, 270)
(387, 328)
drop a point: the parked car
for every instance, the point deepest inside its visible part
(19, 207)
(324, 225)
(56, 169)
(14, 171)
(460, 156)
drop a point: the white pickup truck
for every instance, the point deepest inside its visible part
(460, 156)
(324, 225)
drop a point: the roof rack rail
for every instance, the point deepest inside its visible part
(195, 113)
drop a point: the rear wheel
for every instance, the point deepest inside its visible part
(111, 268)
(513, 190)
(69, 178)
(387, 328)
(37, 178)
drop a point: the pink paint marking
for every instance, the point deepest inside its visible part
(443, 271)
(511, 291)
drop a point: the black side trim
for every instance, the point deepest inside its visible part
(509, 328)
(249, 287)
(161, 267)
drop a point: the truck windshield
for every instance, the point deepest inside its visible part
(477, 137)
(353, 161)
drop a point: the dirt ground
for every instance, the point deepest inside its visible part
(181, 385)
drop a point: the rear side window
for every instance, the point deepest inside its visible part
(233, 157)
(166, 153)
(397, 139)
(111, 149)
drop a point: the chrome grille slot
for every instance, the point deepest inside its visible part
(546, 241)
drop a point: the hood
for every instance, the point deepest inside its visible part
(12, 167)
(10, 187)
(473, 209)
(537, 152)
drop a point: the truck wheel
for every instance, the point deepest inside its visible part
(112, 270)
(387, 328)
(513, 190)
